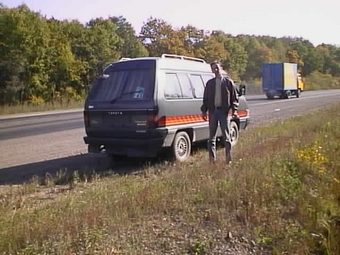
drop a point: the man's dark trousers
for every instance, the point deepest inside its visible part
(219, 116)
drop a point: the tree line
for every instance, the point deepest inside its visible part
(45, 59)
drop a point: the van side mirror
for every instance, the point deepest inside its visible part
(242, 90)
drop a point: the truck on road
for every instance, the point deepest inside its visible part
(281, 80)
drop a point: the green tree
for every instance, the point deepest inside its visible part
(24, 44)
(211, 49)
(104, 43)
(238, 58)
(331, 59)
(64, 69)
(258, 53)
(130, 46)
(313, 61)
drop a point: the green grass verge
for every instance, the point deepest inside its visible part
(282, 196)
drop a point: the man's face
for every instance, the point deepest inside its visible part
(216, 68)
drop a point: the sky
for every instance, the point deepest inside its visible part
(315, 20)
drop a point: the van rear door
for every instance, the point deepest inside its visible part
(122, 100)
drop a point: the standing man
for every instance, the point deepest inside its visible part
(220, 97)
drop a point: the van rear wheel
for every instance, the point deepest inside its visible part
(234, 133)
(181, 146)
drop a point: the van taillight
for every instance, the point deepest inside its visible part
(155, 122)
(86, 119)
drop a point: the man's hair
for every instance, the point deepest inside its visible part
(216, 63)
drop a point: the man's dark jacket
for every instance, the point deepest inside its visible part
(228, 92)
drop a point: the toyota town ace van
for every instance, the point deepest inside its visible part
(140, 107)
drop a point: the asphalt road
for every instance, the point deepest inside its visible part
(37, 125)
(36, 143)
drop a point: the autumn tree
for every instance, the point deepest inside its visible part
(192, 39)
(44, 59)
(292, 56)
(156, 36)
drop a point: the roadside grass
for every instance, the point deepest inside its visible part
(319, 81)
(38, 107)
(281, 196)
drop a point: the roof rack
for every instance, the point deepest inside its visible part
(122, 59)
(182, 57)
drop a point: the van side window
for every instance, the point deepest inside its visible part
(172, 88)
(185, 85)
(197, 84)
(206, 78)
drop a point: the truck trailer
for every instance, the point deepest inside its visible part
(281, 80)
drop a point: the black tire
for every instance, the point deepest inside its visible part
(234, 133)
(286, 95)
(269, 96)
(298, 92)
(181, 147)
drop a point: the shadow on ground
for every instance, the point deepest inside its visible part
(84, 164)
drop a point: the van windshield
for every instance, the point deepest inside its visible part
(128, 84)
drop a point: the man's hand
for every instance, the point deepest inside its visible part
(204, 116)
(234, 115)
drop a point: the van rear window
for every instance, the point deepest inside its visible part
(127, 84)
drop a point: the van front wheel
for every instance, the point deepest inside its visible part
(181, 146)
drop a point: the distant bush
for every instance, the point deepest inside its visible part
(317, 81)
